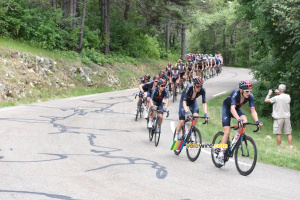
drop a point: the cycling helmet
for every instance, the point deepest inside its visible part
(147, 77)
(161, 82)
(197, 80)
(155, 78)
(169, 64)
(175, 68)
(244, 85)
(161, 73)
(189, 60)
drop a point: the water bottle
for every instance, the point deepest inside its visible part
(235, 139)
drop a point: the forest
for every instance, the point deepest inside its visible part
(263, 35)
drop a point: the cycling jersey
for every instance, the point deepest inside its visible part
(181, 69)
(175, 74)
(165, 77)
(147, 86)
(235, 99)
(187, 95)
(189, 66)
(169, 70)
(158, 98)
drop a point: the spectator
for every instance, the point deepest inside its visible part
(281, 114)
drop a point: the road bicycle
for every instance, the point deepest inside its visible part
(192, 137)
(174, 92)
(141, 106)
(181, 85)
(154, 130)
(243, 147)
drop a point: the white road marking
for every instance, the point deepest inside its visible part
(172, 125)
(11, 108)
(219, 94)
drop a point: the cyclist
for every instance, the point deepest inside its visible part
(169, 69)
(151, 86)
(143, 88)
(189, 66)
(182, 70)
(158, 94)
(188, 102)
(175, 78)
(232, 108)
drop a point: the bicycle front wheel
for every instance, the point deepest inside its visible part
(245, 156)
(157, 132)
(215, 151)
(193, 145)
(150, 134)
(180, 137)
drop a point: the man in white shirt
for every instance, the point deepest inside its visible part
(281, 114)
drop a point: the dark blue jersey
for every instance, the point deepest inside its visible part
(187, 95)
(165, 77)
(158, 98)
(235, 99)
(148, 86)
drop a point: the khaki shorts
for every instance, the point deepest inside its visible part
(282, 125)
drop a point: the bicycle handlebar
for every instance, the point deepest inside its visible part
(194, 117)
(162, 112)
(244, 125)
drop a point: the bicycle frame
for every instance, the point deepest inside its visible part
(240, 138)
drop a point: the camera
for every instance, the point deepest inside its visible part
(273, 90)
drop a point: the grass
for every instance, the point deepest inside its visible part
(267, 149)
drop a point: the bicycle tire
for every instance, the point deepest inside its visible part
(137, 112)
(237, 156)
(150, 135)
(157, 134)
(198, 140)
(177, 152)
(215, 152)
(174, 91)
(141, 111)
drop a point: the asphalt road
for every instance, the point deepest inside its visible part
(91, 147)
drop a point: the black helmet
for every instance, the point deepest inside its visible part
(147, 77)
(197, 80)
(161, 82)
(244, 85)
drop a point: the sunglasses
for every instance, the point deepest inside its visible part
(199, 86)
(162, 85)
(247, 91)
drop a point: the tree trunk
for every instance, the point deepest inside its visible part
(107, 26)
(82, 25)
(127, 7)
(71, 12)
(215, 42)
(224, 47)
(183, 41)
(54, 4)
(168, 34)
(250, 44)
(102, 9)
(65, 7)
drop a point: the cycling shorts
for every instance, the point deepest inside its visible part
(193, 108)
(181, 74)
(160, 105)
(174, 79)
(226, 115)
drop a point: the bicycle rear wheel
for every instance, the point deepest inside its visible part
(180, 137)
(245, 156)
(157, 132)
(194, 140)
(215, 151)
